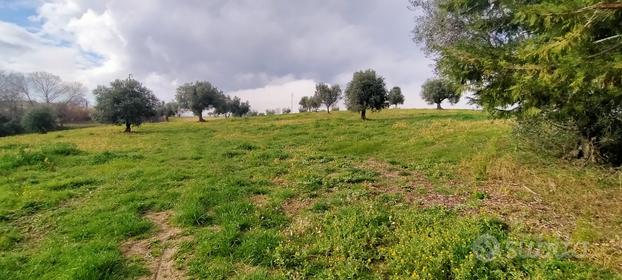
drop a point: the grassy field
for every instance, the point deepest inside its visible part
(416, 194)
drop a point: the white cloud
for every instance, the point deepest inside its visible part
(25, 52)
(276, 96)
(260, 50)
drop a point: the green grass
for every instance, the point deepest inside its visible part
(307, 196)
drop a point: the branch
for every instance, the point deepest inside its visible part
(607, 6)
(608, 38)
(598, 6)
(605, 51)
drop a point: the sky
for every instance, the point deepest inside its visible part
(268, 52)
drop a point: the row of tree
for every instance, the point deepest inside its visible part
(365, 91)
(324, 95)
(200, 96)
(41, 101)
(129, 103)
(21, 93)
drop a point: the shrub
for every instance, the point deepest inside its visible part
(547, 138)
(39, 119)
(9, 126)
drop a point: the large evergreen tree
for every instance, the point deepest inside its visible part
(558, 61)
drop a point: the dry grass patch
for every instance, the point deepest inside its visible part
(293, 206)
(158, 252)
(412, 186)
(260, 200)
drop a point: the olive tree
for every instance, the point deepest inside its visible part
(438, 90)
(327, 95)
(395, 96)
(365, 92)
(310, 103)
(198, 97)
(239, 108)
(167, 109)
(125, 102)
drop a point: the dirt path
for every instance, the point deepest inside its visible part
(158, 252)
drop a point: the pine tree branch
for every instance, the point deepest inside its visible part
(607, 6)
(598, 6)
(608, 38)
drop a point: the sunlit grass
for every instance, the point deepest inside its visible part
(310, 195)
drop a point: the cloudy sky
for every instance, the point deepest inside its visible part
(260, 50)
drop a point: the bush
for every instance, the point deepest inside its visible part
(9, 126)
(39, 119)
(548, 138)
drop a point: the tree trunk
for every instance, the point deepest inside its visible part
(166, 118)
(201, 117)
(128, 127)
(438, 106)
(328, 109)
(588, 151)
(363, 117)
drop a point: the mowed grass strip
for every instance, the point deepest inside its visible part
(306, 196)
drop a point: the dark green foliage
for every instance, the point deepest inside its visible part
(327, 95)
(237, 108)
(9, 126)
(310, 103)
(395, 96)
(125, 102)
(304, 104)
(200, 96)
(39, 119)
(548, 137)
(553, 60)
(365, 92)
(436, 91)
(167, 110)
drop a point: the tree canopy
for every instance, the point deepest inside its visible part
(198, 97)
(365, 92)
(395, 96)
(239, 108)
(327, 95)
(125, 102)
(560, 61)
(438, 90)
(304, 104)
(310, 103)
(167, 109)
(39, 119)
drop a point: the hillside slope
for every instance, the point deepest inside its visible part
(411, 193)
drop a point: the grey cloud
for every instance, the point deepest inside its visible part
(229, 42)
(241, 44)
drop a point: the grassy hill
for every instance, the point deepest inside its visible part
(411, 193)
